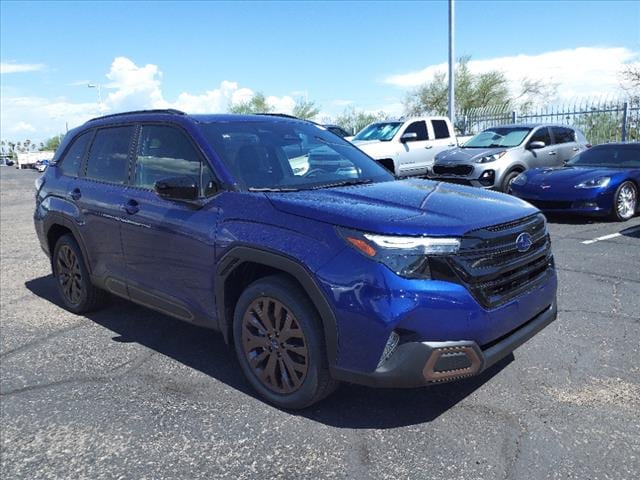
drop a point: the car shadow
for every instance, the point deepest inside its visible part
(351, 406)
(633, 232)
(572, 219)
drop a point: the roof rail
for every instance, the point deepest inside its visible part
(171, 111)
(285, 115)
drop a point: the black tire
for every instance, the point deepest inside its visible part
(74, 285)
(505, 187)
(622, 214)
(316, 382)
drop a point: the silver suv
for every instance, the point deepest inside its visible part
(496, 156)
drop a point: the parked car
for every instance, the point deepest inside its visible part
(338, 130)
(496, 156)
(603, 180)
(41, 165)
(316, 277)
(406, 147)
(5, 161)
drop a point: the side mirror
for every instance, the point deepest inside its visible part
(537, 145)
(408, 137)
(177, 188)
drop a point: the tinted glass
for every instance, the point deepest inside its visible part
(70, 164)
(498, 137)
(383, 131)
(440, 129)
(613, 156)
(289, 155)
(419, 128)
(563, 135)
(541, 135)
(109, 155)
(164, 152)
(338, 131)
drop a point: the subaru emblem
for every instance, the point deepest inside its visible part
(523, 242)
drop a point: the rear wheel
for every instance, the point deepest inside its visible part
(72, 277)
(280, 344)
(625, 202)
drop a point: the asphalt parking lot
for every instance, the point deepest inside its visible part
(130, 393)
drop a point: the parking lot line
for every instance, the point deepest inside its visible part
(612, 235)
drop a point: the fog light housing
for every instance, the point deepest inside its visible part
(487, 178)
(586, 205)
(390, 347)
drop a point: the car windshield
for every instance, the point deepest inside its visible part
(498, 137)
(289, 155)
(611, 156)
(383, 131)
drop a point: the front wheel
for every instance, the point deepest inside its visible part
(625, 202)
(280, 344)
(507, 181)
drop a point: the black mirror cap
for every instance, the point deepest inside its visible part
(537, 145)
(177, 188)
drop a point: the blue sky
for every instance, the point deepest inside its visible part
(365, 54)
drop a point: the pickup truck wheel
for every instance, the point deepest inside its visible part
(625, 202)
(507, 181)
(280, 345)
(78, 294)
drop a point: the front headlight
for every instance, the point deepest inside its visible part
(491, 158)
(595, 183)
(405, 256)
(520, 179)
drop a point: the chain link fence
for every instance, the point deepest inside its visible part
(601, 120)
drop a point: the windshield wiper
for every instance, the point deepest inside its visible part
(273, 189)
(343, 184)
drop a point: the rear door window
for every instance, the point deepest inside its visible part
(164, 152)
(563, 135)
(541, 135)
(70, 164)
(440, 129)
(420, 128)
(109, 155)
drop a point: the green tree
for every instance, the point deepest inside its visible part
(305, 109)
(257, 104)
(481, 90)
(354, 120)
(53, 143)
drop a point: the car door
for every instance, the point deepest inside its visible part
(169, 245)
(443, 137)
(99, 194)
(542, 157)
(415, 154)
(565, 140)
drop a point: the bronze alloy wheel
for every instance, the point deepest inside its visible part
(69, 274)
(274, 345)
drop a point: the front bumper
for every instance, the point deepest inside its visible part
(416, 364)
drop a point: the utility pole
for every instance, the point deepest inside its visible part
(452, 66)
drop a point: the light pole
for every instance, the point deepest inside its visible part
(452, 66)
(99, 87)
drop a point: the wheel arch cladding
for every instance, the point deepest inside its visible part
(56, 227)
(243, 265)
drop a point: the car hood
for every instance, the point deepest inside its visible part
(466, 155)
(567, 176)
(364, 143)
(405, 207)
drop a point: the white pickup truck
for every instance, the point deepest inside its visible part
(407, 147)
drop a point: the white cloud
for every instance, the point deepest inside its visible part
(580, 72)
(11, 67)
(23, 127)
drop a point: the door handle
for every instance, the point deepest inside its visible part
(575, 149)
(428, 147)
(451, 145)
(75, 194)
(552, 153)
(131, 207)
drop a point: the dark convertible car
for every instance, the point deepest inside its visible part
(603, 180)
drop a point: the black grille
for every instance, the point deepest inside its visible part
(550, 204)
(460, 170)
(491, 267)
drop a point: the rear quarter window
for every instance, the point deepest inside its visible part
(440, 129)
(70, 164)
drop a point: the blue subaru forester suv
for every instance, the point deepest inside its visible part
(312, 260)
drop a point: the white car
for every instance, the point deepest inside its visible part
(407, 147)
